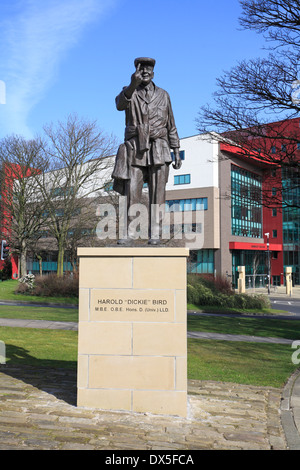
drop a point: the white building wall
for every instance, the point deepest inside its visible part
(201, 162)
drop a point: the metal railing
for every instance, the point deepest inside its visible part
(256, 281)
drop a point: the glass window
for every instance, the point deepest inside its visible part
(62, 192)
(108, 186)
(246, 203)
(182, 179)
(201, 262)
(291, 220)
(181, 154)
(201, 204)
(56, 192)
(183, 205)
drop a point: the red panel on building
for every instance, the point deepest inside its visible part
(254, 246)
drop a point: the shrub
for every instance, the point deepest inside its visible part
(22, 289)
(28, 282)
(222, 284)
(218, 293)
(50, 285)
(6, 272)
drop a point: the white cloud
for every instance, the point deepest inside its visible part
(34, 41)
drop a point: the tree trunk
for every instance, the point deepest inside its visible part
(40, 264)
(23, 267)
(74, 265)
(60, 260)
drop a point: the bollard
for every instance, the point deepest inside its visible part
(288, 281)
(241, 280)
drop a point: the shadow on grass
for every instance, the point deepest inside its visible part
(58, 378)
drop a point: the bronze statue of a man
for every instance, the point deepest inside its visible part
(150, 133)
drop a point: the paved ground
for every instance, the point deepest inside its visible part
(38, 411)
(52, 325)
(44, 324)
(279, 292)
(228, 337)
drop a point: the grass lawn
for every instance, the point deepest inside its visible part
(40, 348)
(253, 326)
(39, 313)
(241, 362)
(238, 362)
(244, 363)
(7, 289)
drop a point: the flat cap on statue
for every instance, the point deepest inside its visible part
(144, 60)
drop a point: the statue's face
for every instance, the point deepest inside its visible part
(147, 73)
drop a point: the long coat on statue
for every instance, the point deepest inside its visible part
(150, 132)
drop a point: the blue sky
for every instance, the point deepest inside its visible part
(63, 56)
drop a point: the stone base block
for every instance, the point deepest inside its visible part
(132, 345)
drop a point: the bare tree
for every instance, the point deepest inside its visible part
(80, 165)
(256, 262)
(278, 19)
(259, 91)
(22, 213)
(82, 231)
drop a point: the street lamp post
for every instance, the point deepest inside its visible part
(268, 251)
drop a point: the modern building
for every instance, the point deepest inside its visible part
(220, 200)
(9, 173)
(240, 225)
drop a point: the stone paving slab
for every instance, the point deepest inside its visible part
(57, 325)
(44, 324)
(290, 411)
(38, 412)
(229, 337)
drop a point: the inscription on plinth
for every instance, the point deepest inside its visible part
(138, 305)
(132, 351)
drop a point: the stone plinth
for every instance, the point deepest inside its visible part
(132, 346)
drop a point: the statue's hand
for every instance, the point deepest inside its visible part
(177, 164)
(136, 77)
